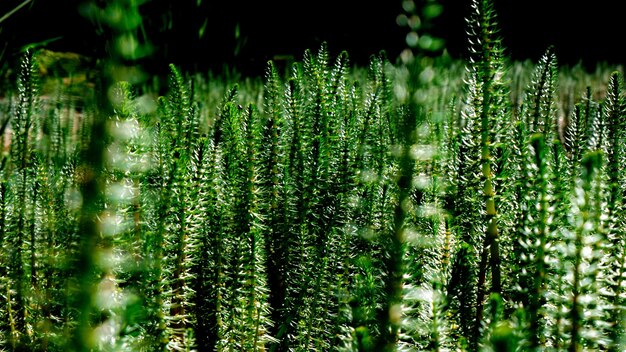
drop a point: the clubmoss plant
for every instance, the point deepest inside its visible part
(19, 235)
(429, 204)
(614, 263)
(484, 124)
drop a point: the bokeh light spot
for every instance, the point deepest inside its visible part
(415, 22)
(408, 5)
(432, 10)
(402, 20)
(412, 39)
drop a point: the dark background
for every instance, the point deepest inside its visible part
(587, 32)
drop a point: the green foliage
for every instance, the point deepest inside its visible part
(431, 205)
